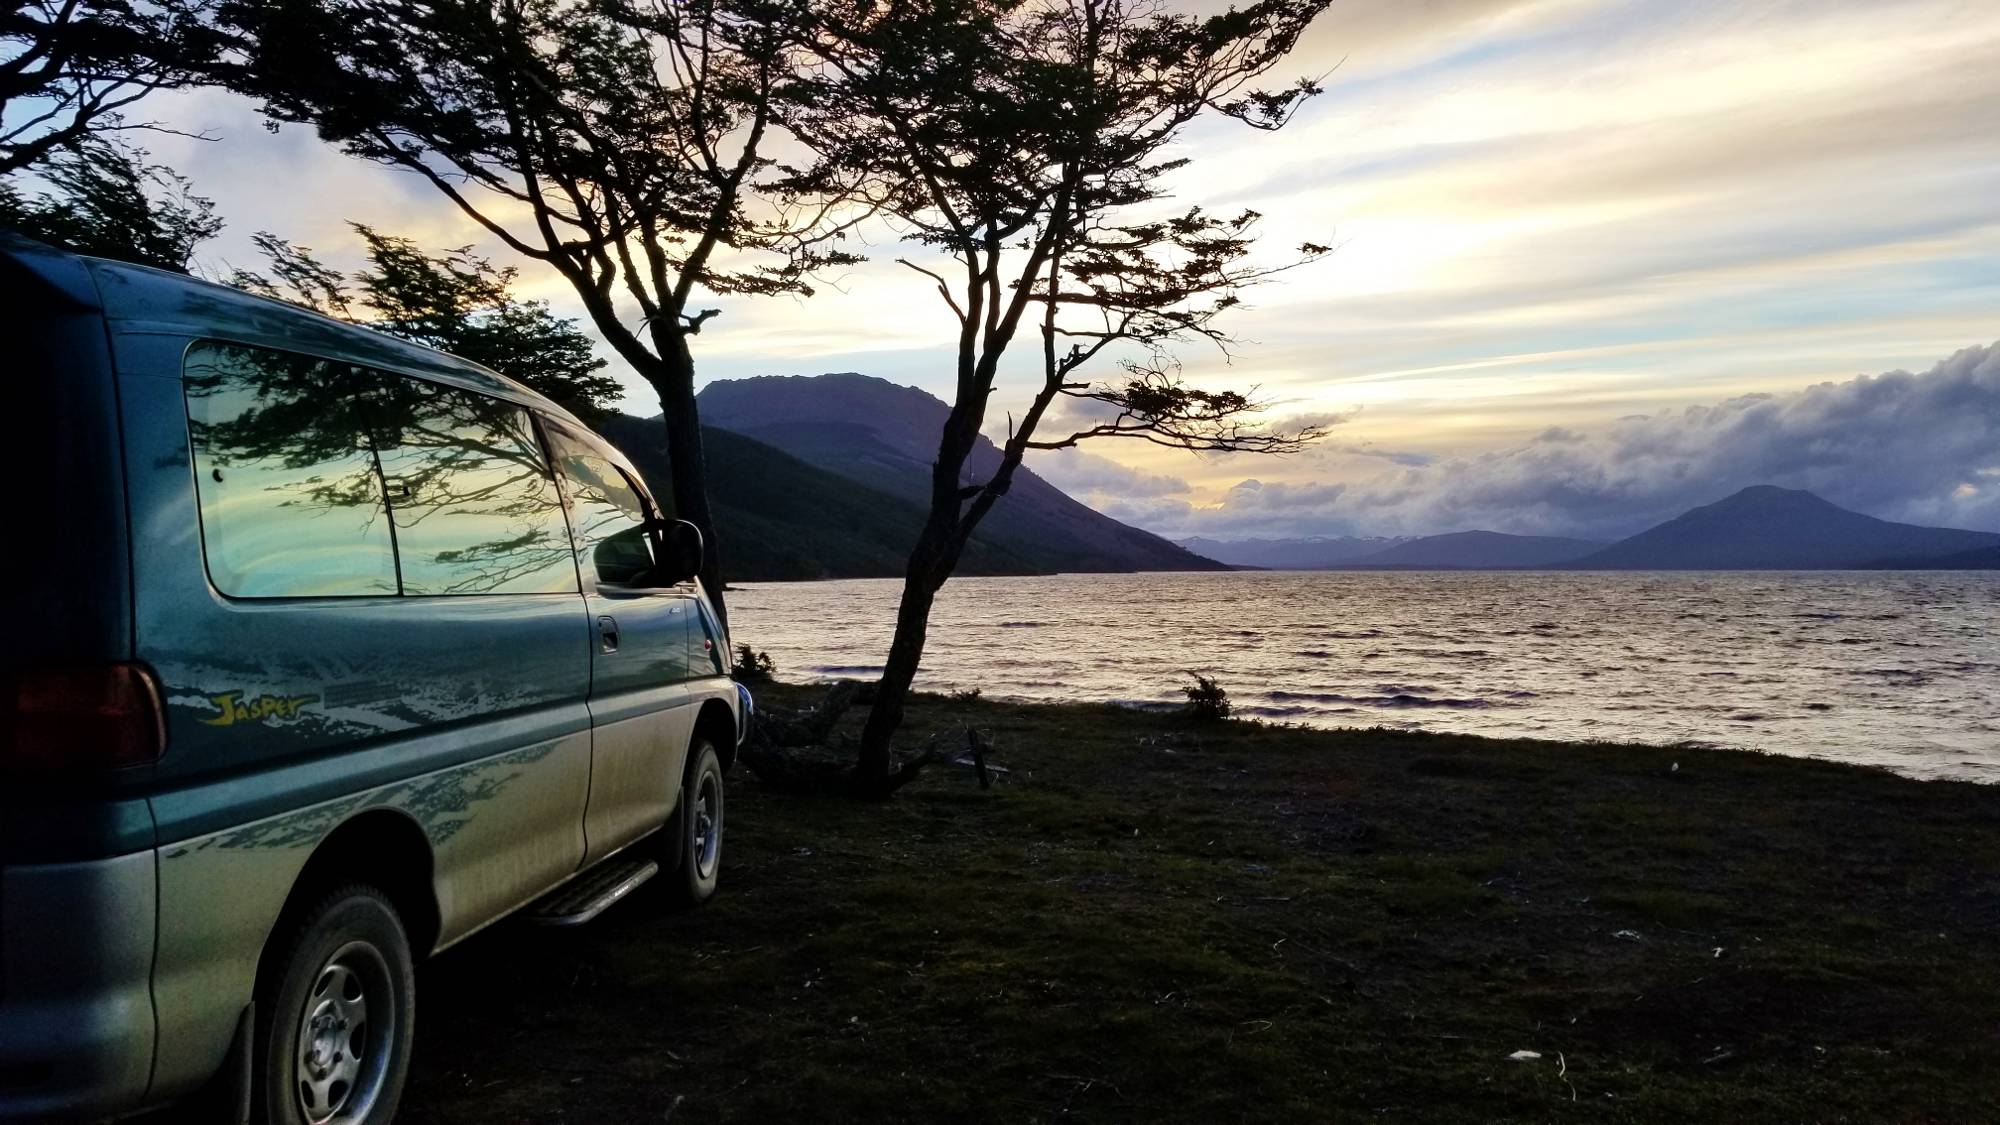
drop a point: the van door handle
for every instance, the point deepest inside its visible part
(607, 633)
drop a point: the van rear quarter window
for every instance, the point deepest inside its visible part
(291, 504)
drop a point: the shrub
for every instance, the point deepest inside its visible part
(965, 695)
(753, 667)
(1207, 701)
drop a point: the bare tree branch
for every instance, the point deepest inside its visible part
(70, 68)
(1030, 142)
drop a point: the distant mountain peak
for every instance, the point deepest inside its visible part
(825, 377)
(1771, 494)
(908, 419)
(1765, 527)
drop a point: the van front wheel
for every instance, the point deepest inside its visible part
(700, 824)
(335, 1015)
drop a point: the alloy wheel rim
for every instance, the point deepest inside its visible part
(345, 1028)
(708, 826)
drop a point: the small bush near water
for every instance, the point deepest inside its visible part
(1206, 701)
(752, 666)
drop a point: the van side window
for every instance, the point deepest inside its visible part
(607, 512)
(291, 505)
(473, 500)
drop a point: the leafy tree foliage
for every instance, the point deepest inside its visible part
(103, 198)
(453, 300)
(627, 144)
(1030, 145)
(69, 69)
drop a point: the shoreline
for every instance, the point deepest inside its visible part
(1253, 713)
(737, 584)
(1150, 920)
(1900, 673)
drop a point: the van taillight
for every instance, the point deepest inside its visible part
(80, 719)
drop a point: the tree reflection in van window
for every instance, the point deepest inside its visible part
(474, 503)
(290, 502)
(607, 513)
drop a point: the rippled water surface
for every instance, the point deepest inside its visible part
(1897, 669)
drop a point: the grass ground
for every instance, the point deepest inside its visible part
(1148, 921)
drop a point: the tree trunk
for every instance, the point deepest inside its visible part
(931, 562)
(913, 618)
(684, 457)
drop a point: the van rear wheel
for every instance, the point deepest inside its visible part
(699, 821)
(335, 1015)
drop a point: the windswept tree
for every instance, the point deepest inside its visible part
(1029, 146)
(627, 144)
(452, 300)
(102, 197)
(71, 70)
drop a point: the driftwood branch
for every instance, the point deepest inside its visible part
(772, 748)
(976, 749)
(799, 750)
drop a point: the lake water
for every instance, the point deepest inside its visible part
(1896, 669)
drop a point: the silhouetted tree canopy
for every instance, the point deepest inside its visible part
(102, 198)
(452, 300)
(72, 69)
(627, 144)
(1031, 145)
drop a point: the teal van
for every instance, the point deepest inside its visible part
(323, 652)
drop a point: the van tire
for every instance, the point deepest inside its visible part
(344, 968)
(698, 824)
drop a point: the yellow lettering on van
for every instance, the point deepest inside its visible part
(235, 710)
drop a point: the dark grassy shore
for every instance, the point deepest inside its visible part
(1149, 921)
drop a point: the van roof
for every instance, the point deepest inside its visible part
(141, 299)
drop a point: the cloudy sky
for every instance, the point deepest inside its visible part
(1598, 260)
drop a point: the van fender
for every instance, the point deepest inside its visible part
(221, 898)
(426, 841)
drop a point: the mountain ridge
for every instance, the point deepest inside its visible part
(1978, 558)
(1765, 527)
(1455, 550)
(1315, 552)
(1761, 527)
(1482, 550)
(781, 519)
(884, 435)
(830, 476)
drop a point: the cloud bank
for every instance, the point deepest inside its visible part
(1921, 448)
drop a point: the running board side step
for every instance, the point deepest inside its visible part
(590, 894)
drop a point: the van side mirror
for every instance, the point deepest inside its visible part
(678, 549)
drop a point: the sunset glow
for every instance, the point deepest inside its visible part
(1546, 214)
